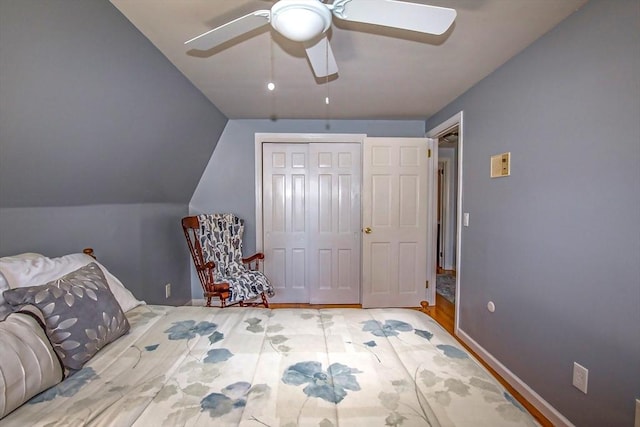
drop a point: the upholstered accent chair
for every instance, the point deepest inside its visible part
(215, 243)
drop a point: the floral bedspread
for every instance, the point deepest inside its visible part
(284, 367)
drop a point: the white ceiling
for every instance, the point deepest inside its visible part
(383, 73)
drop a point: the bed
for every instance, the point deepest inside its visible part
(273, 367)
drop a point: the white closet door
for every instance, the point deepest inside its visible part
(394, 211)
(285, 220)
(334, 223)
(311, 222)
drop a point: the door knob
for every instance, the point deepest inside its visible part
(368, 230)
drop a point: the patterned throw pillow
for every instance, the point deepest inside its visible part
(81, 314)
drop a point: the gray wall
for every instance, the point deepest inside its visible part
(228, 182)
(556, 246)
(141, 244)
(99, 129)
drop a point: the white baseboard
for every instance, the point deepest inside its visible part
(196, 302)
(551, 413)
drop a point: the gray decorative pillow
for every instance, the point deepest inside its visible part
(81, 314)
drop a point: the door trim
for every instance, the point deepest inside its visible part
(455, 120)
(289, 138)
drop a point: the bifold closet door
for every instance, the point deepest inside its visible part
(285, 223)
(311, 215)
(334, 223)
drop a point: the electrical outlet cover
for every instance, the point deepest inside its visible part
(580, 377)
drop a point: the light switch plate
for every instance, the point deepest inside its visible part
(501, 165)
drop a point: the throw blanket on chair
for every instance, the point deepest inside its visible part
(220, 237)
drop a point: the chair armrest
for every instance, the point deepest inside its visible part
(253, 257)
(253, 262)
(217, 288)
(211, 287)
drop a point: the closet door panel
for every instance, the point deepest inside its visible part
(334, 223)
(285, 223)
(311, 215)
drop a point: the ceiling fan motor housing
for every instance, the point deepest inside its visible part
(300, 20)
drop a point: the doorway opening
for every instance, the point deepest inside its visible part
(449, 135)
(446, 224)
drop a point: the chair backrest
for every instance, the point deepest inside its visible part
(189, 226)
(220, 240)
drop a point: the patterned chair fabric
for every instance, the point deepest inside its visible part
(220, 236)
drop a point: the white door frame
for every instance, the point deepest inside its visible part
(455, 120)
(289, 138)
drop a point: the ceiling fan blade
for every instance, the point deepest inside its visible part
(321, 57)
(397, 14)
(230, 30)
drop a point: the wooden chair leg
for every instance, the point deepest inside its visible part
(264, 300)
(208, 301)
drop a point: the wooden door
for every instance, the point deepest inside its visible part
(395, 220)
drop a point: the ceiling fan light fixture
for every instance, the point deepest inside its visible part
(300, 20)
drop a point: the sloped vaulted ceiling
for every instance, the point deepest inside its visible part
(92, 113)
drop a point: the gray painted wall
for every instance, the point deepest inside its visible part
(228, 182)
(141, 244)
(92, 113)
(556, 246)
(102, 142)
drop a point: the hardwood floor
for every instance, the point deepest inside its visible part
(443, 313)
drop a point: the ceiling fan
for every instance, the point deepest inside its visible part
(307, 21)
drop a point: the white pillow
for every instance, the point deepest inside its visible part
(20, 257)
(28, 364)
(34, 269)
(5, 308)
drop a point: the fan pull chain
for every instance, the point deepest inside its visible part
(272, 85)
(326, 100)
